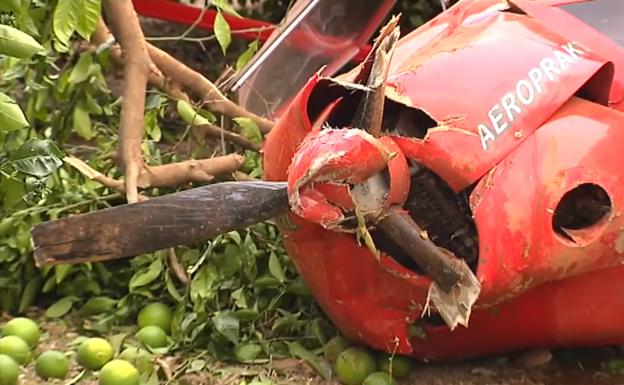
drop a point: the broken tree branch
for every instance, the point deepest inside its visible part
(127, 30)
(155, 77)
(97, 176)
(203, 88)
(172, 88)
(194, 170)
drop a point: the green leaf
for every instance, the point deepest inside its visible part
(320, 365)
(82, 69)
(238, 296)
(247, 352)
(61, 272)
(244, 58)
(229, 262)
(189, 115)
(225, 6)
(148, 276)
(82, 123)
(65, 20)
(98, 305)
(88, 16)
(222, 32)
(201, 285)
(11, 115)
(60, 307)
(250, 129)
(173, 290)
(16, 43)
(275, 267)
(38, 158)
(228, 325)
(29, 293)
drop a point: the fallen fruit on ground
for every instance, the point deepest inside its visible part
(15, 348)
(155, 314)
(119, 372)
(52, 364)
(24, 328)
(379, 378)
(353, 365)
(398, 367)
(9, 370)
(94, 352)
(334, 347)
(152, 336)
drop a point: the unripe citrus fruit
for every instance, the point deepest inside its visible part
(52, 364)
(379, 378)
(24, 328)
(152, 336)
(93, 353)
(353, 365)
(155, 314)
(9, 370)
(399, 367)
(119, 372)
(334, 347)
(16, 348)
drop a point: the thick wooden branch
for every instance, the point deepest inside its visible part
(154, 77)
(195, 170)
(127, 30)
(97, 176)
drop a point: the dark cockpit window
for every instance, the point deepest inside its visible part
(605, 16)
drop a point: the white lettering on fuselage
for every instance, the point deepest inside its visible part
(502, 115)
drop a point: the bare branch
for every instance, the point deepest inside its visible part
(202, 87)
(127, 30)
(154, 78)
(194, 170)
(97, 176)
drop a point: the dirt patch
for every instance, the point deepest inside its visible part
(567, 367)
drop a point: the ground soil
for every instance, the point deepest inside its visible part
(567, 367)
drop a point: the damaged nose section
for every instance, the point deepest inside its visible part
(356, 179)
(325, 167)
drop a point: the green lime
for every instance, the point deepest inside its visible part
(152, 336)
(93, 353)
(140, 358)
(398, 367)
(379, 378)
(334, 347)
(24, 328)
(52, 364)
(155, 314)
(353, 365)
(9, 370)
(119, 372)
(15, 348)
